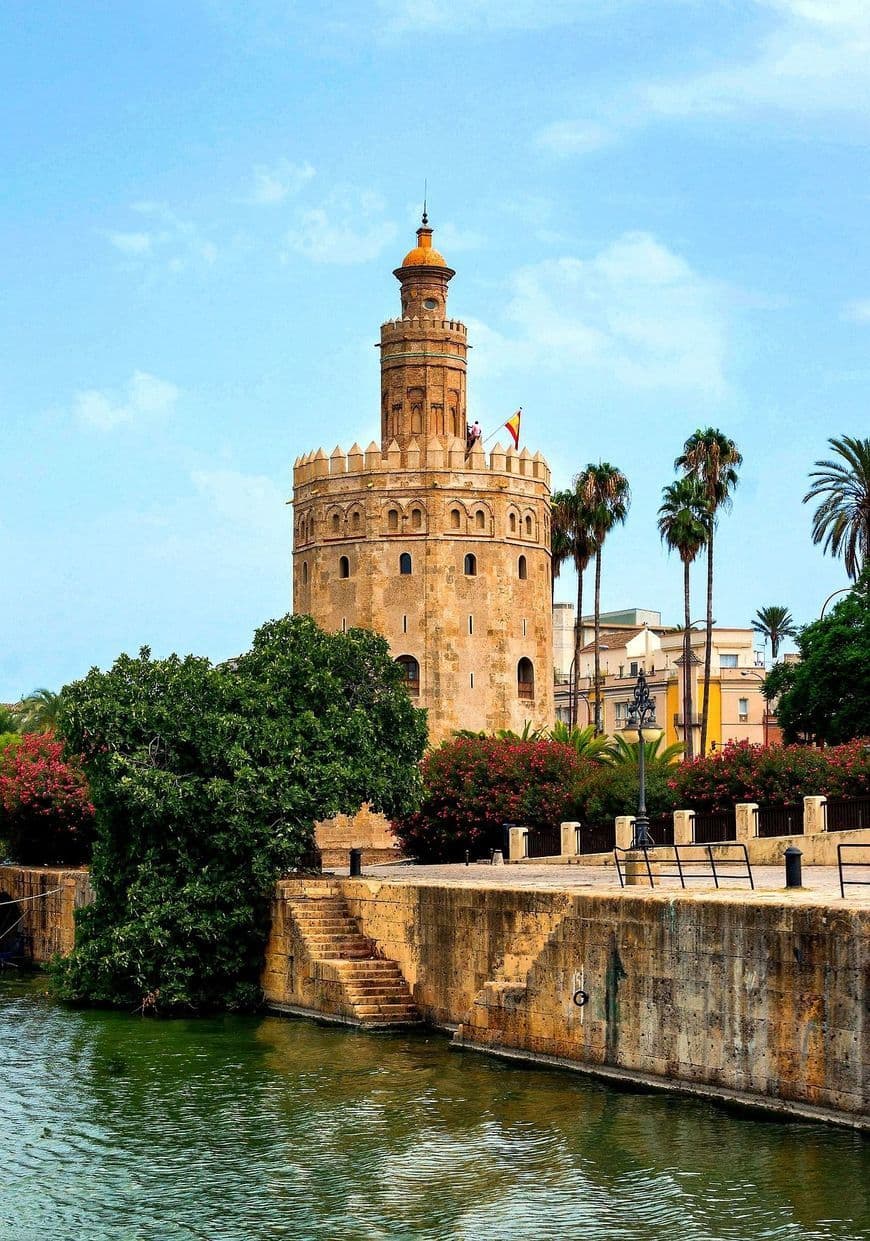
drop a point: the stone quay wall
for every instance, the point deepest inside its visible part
(49, 897)
(738, 996)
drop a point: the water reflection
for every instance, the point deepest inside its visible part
(245, 1128)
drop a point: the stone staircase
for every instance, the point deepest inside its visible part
(351, 979)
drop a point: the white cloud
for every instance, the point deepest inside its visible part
(131, 243)
(350, 227)
(170, 240)
(146, 397)
(857, 311)
(813, 60)
(635, 313)
(575, 137)
(273, 183)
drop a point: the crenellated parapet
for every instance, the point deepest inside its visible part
(434, 455)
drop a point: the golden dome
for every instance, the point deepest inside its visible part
(423, 255)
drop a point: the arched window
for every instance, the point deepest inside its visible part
(470, 565)
(512, 523)
(454, 519)
(479, 519)
(355, 520)
(344, 567)
(304, 572)
(416, 519)
(525, 679)
(336, 523)
(393, 519)
(404, 564)
(528, 527)
(411, 670)
(522, 569)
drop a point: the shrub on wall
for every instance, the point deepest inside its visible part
(207, 782)
(773, 775)
(46, 816)
(474, 785)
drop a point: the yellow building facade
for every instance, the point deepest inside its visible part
(442, 548)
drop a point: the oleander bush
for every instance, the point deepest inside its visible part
(472, 786)
(772, 775)
(46, 815)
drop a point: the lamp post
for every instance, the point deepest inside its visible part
(641, 723)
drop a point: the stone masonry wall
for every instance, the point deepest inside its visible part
(49, 920)
(733, 992)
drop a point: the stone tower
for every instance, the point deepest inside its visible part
(444, 551)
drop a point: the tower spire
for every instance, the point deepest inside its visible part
(425, 219)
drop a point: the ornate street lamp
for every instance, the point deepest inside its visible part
(641, 726)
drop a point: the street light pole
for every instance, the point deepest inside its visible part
(642, 721)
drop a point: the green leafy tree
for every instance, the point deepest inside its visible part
(573, 519)
(826, 696)
(683, 527)
(712, 459)
(206, 783)
(774, 622)
(606, 496)
(38, 712)
(8, 720)
(841, 522)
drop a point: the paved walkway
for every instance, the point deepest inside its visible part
(819, 881)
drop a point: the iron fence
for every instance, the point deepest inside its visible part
(691, 862)
(779, 821)
(544, 842)
(846, 814)
(710, 827)
(596, 837)
(860, 863)
(661, 828)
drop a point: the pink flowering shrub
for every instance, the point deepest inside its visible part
(46, 816)
(474, 785)
(772, 775)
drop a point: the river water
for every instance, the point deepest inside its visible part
(113, 1127)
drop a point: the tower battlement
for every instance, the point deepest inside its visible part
(435, 454)
(398, 328)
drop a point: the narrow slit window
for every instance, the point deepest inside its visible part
(522, 569)
(471, 624)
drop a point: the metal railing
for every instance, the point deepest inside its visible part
(710, 827)
(543, 842)
(845, 814)
(842, 865)
(779, 820)
(692, 862)
(596, 837)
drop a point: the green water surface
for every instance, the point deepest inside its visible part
(236, 1128)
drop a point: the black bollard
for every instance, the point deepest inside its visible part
(793, 867)
(467, 857)
(355, 863)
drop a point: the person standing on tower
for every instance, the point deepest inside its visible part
(474, 434)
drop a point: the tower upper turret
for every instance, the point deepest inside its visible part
(423, 354)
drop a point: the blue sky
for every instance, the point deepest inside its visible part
(657, 213)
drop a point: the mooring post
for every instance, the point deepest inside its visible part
(793, 857)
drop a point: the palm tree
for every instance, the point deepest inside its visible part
(606, 496)
(776, 623)
(572, 517)
(584, 742)
(712, 459)
(560, 538)
(625, 753)
(842, 520)
(37, 713)
(683, 527)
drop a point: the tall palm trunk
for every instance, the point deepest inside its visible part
(708, 651)
(578, 644)
(598, 728)
(688, 730)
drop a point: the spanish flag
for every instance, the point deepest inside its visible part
(513, 425)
